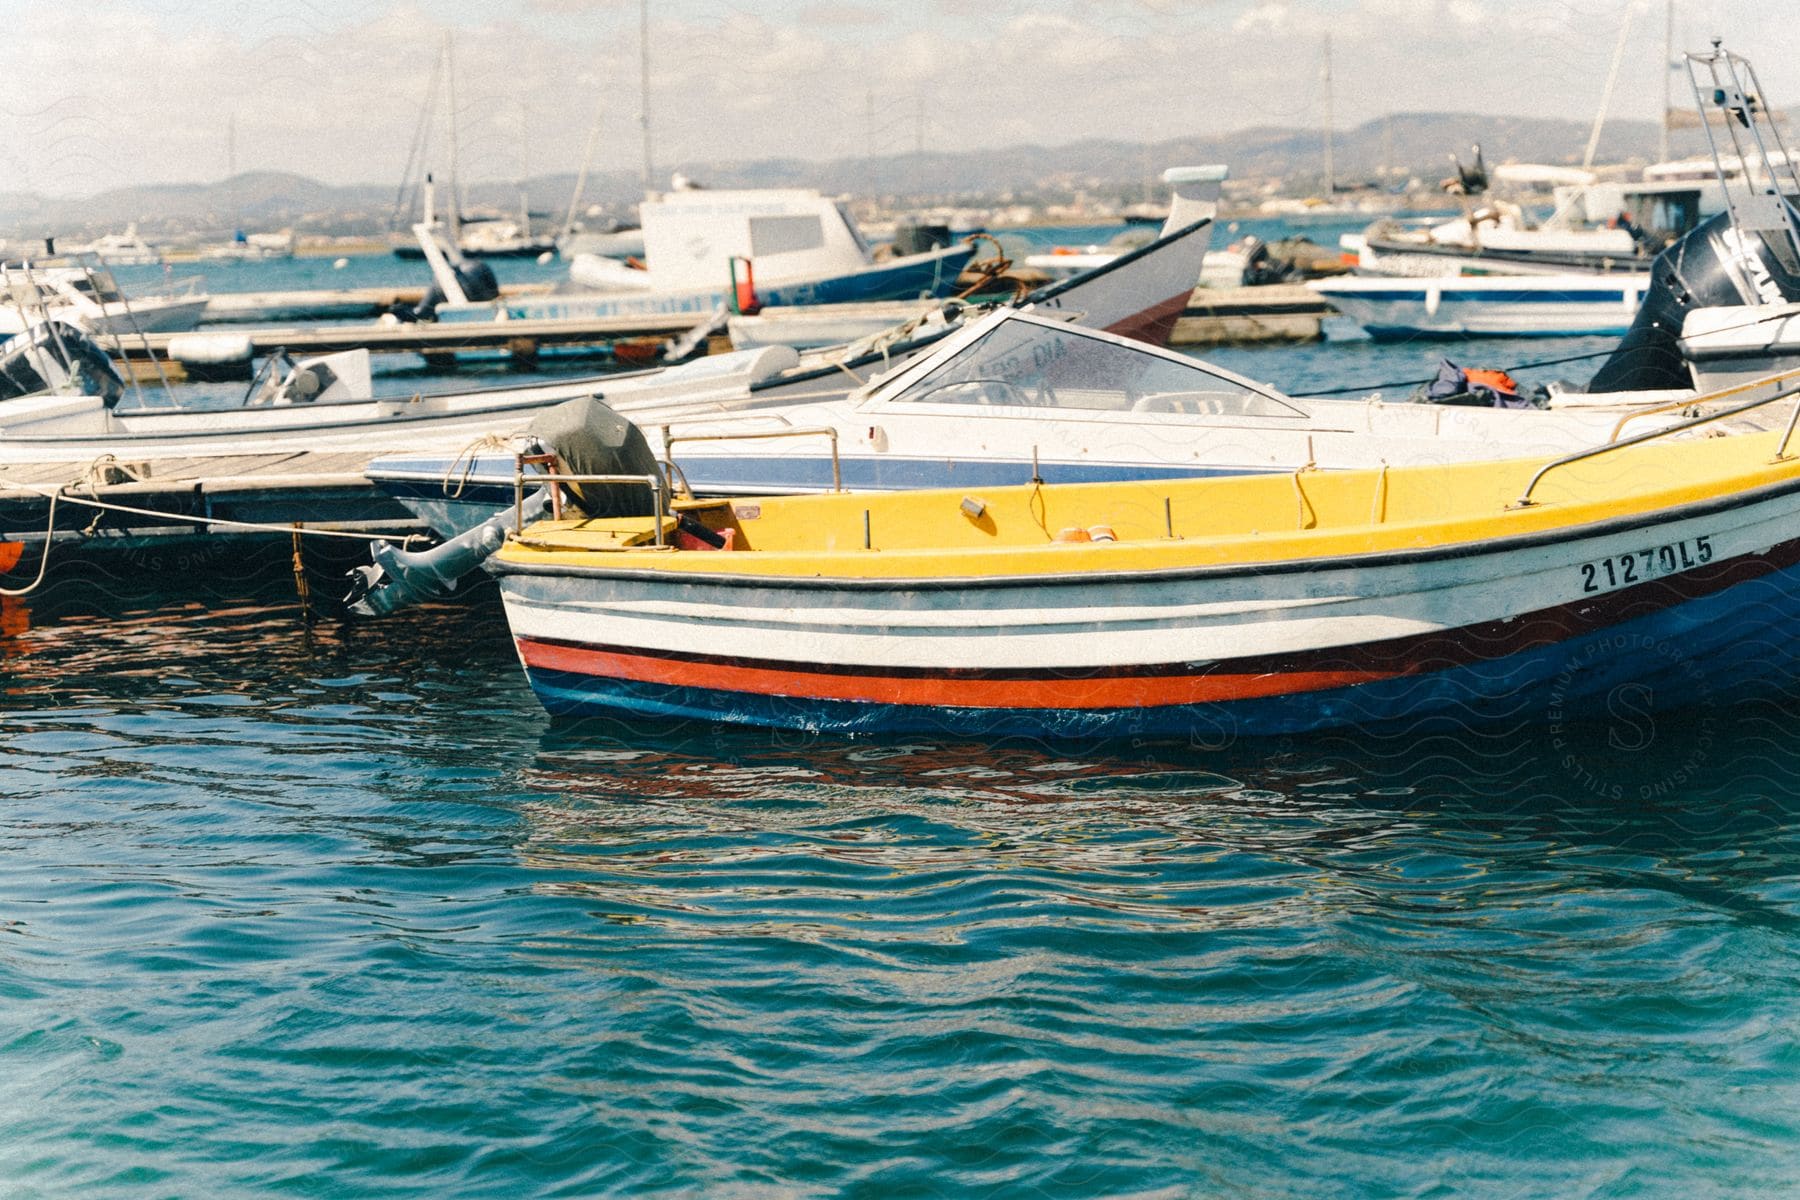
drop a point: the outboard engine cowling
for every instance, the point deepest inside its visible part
(588, 438)
(475, 278)
(1715, 265)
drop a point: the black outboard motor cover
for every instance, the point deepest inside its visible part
(475, 278)
(1713, 266)
(916, 237)
(588, 438)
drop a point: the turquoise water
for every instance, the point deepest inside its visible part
(310, 909)
(336, 911)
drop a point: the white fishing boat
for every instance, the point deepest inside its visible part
(1512, 306)
(1258, 605)
(1112, 302)
(1597, 226)
(705, 250)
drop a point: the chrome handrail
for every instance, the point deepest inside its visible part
(1525, 501)
(837, 475)
(1751, 385)
(659, 489)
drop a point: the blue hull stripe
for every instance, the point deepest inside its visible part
(1740, 641)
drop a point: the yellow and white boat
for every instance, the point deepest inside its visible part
(1254, 604)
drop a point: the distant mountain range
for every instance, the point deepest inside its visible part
(1411, 144)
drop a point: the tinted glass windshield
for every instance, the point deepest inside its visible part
(1020, 363)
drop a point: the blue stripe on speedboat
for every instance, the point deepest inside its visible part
(1399, 332)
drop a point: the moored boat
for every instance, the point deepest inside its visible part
(1488, 306)
(1524, 589)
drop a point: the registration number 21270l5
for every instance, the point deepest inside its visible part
(1623, 570)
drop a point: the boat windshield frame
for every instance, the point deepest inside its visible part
(910, 388)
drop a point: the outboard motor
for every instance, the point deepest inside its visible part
(588, 438)
(918, 237)
(55, 356)
(475, 278)
(1715, 265)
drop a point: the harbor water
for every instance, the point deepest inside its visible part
(332, 909)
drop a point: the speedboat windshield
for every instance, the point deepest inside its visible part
(1040, 365)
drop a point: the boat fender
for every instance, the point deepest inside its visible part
(210, 349)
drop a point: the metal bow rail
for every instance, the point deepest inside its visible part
(825, 431)
(1525, 500)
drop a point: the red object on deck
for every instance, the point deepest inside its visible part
(744, 287)
(10, 553)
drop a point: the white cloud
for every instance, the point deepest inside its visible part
(320, 92)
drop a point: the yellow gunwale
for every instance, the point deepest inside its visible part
(1351, 513)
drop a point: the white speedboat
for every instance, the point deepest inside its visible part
(253, 247)
(120, 249)
(328, 402)
(92, 299)
(1018, 395)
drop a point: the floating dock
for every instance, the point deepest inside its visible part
(231, 355)
(1214, 316)
(1281, 312)
(192, 517)
(343, 304)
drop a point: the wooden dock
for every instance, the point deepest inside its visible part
(185, 526)
(230, 355)
(338, 304)
(1279, 313)
(1282, 312)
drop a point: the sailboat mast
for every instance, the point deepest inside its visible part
(1668, 70)
(644, 87)
(1330, 167)
(455, 179)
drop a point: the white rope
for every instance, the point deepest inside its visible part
(487, 441)
(184, 519)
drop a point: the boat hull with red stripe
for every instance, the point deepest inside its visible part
(1695, 604)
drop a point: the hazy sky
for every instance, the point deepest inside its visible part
(109, 92)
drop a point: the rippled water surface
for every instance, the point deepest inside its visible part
(338, 912)
(335, 911)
